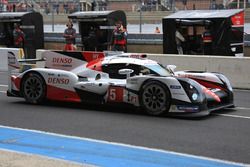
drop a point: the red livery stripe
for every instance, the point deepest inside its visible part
(17, 81)
(55, 93)
(212, 94)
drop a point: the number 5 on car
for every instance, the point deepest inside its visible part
(115, 94)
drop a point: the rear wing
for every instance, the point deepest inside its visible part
(18, 64)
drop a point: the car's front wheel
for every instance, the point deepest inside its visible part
(34, 88)
(155, 98)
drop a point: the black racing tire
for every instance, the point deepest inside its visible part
(33, 88)
(155, 98)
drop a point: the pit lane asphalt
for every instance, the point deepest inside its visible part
(222, 135)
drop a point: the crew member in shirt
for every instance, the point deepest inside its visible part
(119, 38)
(18, 36)
(70, 37)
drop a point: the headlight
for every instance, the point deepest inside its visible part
(192, 89)
(194, 96)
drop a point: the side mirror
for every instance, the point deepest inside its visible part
(171, 68)
(126, 72)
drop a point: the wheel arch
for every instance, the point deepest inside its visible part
(165, 87)
(25, 76)
(151, 80)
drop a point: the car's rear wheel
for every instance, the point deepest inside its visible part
(34, 88)
(155, 98)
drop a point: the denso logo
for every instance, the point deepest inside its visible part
(62, 60)
(63, 81)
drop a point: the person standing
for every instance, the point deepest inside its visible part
(69, 35)
(119, 38)
(157, 30)
(18, 36)
(207, 42)
(179, 39)
(184, 2)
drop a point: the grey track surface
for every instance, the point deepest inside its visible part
(216, 136)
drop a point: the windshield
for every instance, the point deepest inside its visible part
(159, 69)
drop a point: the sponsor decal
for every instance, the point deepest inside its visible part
(62, 62)
(180, 94)
(132, 98)
(133, 81)
(175, 87)
(62, 75)
(188, 108)
(51, 74)
(191, 76)
(61, 81)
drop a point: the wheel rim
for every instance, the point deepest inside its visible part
(154, 99)
(33, 88)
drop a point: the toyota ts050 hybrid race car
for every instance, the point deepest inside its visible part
(113, 77)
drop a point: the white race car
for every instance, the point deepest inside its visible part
(113, 77)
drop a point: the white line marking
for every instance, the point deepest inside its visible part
(2, 91)
(241, 90)
(233, 116)
(3, 85)
(242, 108)
(130, 146)
(237, 108)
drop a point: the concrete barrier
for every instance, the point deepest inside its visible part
(236, 69)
